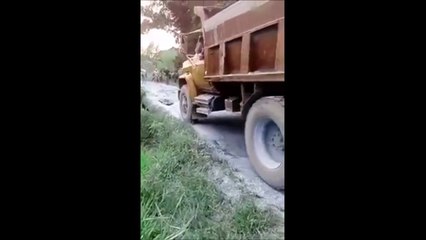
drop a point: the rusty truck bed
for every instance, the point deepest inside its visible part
(245, 42)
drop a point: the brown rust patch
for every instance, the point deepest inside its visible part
(233, 56)
(212, 60)
(279, 55)
(245, 53)
(263, 45)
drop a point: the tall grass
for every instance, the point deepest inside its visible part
(177, 199)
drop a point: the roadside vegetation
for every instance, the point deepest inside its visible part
(177, 199)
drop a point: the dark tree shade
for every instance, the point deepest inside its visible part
(177, 16)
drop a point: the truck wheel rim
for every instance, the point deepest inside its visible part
(269, 143)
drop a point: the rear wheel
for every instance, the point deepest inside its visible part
(264, 137)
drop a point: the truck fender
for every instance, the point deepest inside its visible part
(250, 101)
(189, 81)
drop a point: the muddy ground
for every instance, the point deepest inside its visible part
(223, 132)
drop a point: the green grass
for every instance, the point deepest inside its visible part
(178, 201)
(145, 162)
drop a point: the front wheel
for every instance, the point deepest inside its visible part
(185, 104)
(264, 138)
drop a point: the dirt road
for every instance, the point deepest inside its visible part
(225, 131)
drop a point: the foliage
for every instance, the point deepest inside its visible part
(176, 16)
(172, 16)
(178, 61)
(167, 59)
(149, 57)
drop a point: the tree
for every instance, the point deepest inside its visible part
(178, 61)
(151, 51)
(149, 57)
(177, 17)
(166, 59)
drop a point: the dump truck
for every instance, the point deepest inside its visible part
(240, 68)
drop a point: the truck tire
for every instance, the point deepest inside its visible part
(185, 104)
(264, 138)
